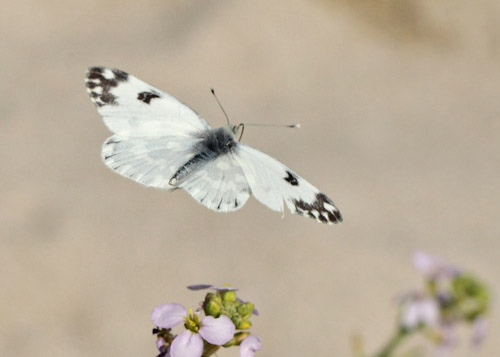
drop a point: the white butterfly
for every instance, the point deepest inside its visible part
(160, 142)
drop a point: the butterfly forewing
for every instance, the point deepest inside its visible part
(131, 107)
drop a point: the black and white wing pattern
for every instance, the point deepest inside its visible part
(160, 142)
(155, 134)
(131, 107)
(272, 183)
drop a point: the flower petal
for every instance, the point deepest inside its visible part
(419, 310)
(250, 345)
(424, 263)
(160, 344)
(187, 344)
(210, 286)
(449, 340)
(479, 330)
(168, 315)
(200, 286)
(217, 331)
(433, 267)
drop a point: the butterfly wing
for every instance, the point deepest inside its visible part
(149, 161)
(218, 184)
(272, 183)
(131, 107)
(154, 132)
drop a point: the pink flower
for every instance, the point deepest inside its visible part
(433, 267)
(216, 331)
(479, 330)
(418, 310)
(250, 345)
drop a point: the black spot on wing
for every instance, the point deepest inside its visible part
(147, 96)
(100, 83)
(291, 179)
(120, 75)
(322, 209)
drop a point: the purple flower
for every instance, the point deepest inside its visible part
(419, 310)
(433, 267)
(250, 345)
(161, 346)
(216, 331)
(448, 340)
(479, 330)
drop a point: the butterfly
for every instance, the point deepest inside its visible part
(160, 142)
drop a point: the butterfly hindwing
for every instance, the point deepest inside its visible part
(218, 184)
(272, 183)
(150, 161)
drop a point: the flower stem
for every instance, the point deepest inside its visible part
(391, 345)
(209, 349)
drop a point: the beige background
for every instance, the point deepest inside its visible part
(399, 107)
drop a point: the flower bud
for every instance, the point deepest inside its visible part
(246, 309)
(212, 305)
(240, 336)
(228, 295)
(241, 323)
(471, 297)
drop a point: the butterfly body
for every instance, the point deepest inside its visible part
(214, 142)
(160, 142)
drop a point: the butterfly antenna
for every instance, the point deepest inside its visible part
(294, 126)
(220, 105)
(242, 126)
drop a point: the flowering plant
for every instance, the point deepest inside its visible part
(450, 297)
(226, 324)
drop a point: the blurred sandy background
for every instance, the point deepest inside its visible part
(399, 107)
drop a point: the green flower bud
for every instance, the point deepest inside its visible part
(230, 343)
(229, 295)
(237, 339)
(244, 325)
(212, 305)
(241, 323)
(471, 296)
(246, 309)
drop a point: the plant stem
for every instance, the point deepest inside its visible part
(391, 345)
(209, 349)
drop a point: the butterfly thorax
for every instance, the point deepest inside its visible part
(217, 141)
(213, 143)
